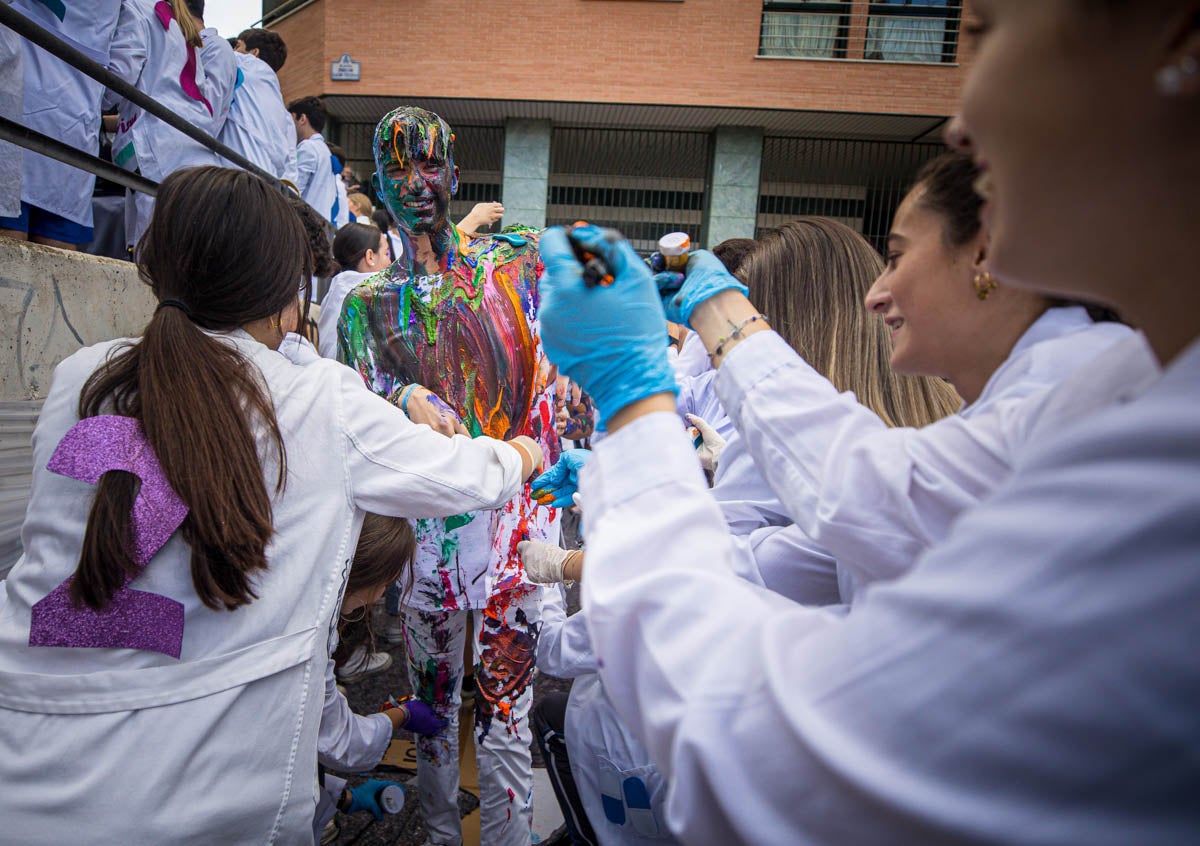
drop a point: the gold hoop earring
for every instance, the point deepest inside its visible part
(357, 619)
(984, 285)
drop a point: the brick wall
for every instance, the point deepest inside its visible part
(695, 52)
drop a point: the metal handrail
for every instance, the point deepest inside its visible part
(30, 139)
(54, 45)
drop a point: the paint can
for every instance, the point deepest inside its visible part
(674, 248)
(390, 798)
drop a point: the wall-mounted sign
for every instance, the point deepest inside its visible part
(345, 69)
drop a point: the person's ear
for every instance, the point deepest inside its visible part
(979, 263)
(454, 181)
(254, 52)
(375, 186)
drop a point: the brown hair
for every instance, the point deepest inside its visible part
(386, 548)
(270, 46)
(351, 243)
(317, 229)
(948, 190)
(733, 252)
(198, 399)
(810, 277)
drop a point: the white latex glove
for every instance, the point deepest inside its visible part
(709, 452)
(577, 498)
(543, 562)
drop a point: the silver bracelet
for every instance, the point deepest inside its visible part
(735, 335)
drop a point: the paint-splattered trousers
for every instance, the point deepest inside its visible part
(505, 641)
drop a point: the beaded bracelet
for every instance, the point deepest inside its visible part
(406, 395)
(735, 335)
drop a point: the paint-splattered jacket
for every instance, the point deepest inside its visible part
(470, 335)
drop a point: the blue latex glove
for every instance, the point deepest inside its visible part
(608, 339)
(558, 484)
(705, 277)
(365, 797)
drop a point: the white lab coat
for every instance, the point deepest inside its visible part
(348, 742)
(875, 497)
(1032, 678)
(64, 104)
(602, 751)
(154, 57)
(259, 125)
(342, 215)
(315, 177)
(180, 728)
(150, 53)
(331, 309)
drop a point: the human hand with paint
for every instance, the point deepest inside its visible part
(574, 417)
(609, 339)
(557, 485)
(711, 443)
(414, 715)
(704, 278)
(481, 215)
(422, 405)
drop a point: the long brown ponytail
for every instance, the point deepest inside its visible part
(229, 250)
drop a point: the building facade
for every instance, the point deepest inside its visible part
(721, 118)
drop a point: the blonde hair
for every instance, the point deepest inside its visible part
(362, 201)
(187, 23)
(809, 278)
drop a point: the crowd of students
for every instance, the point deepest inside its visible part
(924, 570)
(227, 88)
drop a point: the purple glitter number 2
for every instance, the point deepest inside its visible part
(133, 619)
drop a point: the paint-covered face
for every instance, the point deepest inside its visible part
(415, 173)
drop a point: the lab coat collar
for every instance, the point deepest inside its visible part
(1053, 323)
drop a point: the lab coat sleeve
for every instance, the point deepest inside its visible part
(346, 741)
(307, 162)
(220, 75)
(127, 53)
(401, 469)
(564, 647)
(784, 560)
(287, 142)
(961, 703)
(875, 497)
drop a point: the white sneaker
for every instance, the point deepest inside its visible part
(393, 632)
(361, 664)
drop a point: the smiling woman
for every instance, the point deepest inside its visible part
(1032, 676)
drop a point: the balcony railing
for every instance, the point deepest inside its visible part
(924, 31)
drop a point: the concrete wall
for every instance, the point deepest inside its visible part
(52, 302)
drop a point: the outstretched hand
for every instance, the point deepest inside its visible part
(705, 278)
(557, 485)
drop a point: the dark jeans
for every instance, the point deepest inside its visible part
(549, 716)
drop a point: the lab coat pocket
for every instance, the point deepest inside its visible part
(633, 799)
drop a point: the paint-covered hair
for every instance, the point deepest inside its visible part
(409, 132)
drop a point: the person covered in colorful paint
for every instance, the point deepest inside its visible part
(165, 51)
(449, 332)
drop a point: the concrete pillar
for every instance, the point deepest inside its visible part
(733, 196)
(526, 171)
